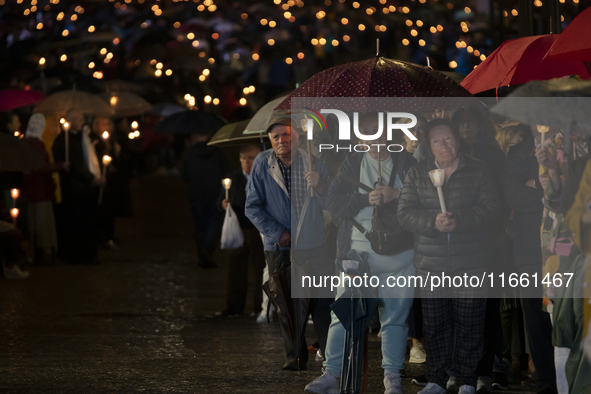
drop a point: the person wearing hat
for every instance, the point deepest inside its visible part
(279, 204)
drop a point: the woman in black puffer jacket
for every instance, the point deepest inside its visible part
(455, 242)
(471, 195)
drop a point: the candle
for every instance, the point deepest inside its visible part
(227, 183)
(67, 131)
(15, 193)
(134, 125)
(105, 135)
(14, 214)
(438, 177)
(543, 130)
(106, 161)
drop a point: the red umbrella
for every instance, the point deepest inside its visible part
(11, 99)
(573, 43)
(519, 61)
(377, 77)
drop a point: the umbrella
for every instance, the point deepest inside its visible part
(560, 103)
(376, 77)
(126, 103)
(573, 43)
(354, 309)
(165, 109)
(190, 122)
(232, 134)
(59, 103)
(519, 61)
(17, 155)
(11, 99)
(292, 312)
(258, 123)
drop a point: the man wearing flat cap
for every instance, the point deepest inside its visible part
(279, 204)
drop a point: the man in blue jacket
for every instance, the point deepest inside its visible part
(280, 205)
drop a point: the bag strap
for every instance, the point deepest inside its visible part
(361, 229)
(355, 182)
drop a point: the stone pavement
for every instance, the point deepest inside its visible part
(140, 322)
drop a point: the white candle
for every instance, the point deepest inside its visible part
(543, 130)
(67, 131)
(227, 183)
(438, 177)
(14, 214)
(106, 161)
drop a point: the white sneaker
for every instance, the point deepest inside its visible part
(326, 383)
(418, 354)
(432, 388)
(452, 386)
(15, 273)
(393, 383)
(484, 385)
(319, 356)
(465, 389)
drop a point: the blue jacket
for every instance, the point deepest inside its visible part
(269, 208)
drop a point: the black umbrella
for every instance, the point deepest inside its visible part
(190, 122)
(292, 312)
(354, 308)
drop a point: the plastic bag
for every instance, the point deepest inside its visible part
(232, 237)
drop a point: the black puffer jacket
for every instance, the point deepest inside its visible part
(471, 193)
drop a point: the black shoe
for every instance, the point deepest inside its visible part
(292, 365)
(500, 381)
(420, 380)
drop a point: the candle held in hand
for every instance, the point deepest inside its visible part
(227, 183)
(15, 193)
(437, 177)
(542, 130)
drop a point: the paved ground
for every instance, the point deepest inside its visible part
(138, 322)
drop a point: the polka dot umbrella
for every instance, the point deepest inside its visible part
(361, 82)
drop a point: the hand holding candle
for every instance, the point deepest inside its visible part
(227, 183)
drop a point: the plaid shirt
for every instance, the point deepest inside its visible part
(300, 185)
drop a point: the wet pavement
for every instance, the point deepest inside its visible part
(141, 321)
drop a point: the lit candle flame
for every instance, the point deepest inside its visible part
(227, 182)
(106, 160)
(114, 100)
(14, 213)
(66, 126)
(105, 135)
(15, 193)
(437, 177)
(542, 129)
(62, 121)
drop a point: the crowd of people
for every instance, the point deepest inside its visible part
(512, 201)
(68, 207)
